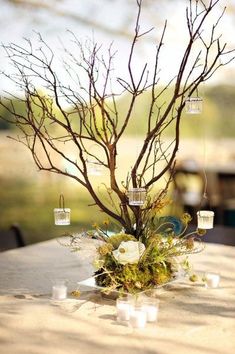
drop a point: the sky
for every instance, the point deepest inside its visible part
(18, 23)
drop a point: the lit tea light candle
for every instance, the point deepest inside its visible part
(212, 280)
(138, 317)
(123, 307)
(205, 219)
(59, 290)
(151, 308)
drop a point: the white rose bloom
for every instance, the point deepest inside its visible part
(129, 252)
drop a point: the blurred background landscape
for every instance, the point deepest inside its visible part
(28, 197)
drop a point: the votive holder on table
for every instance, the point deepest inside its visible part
(138, 316)
(211, 280)
(205, 219)
(123, 308)
(151, 308)
(59, 290)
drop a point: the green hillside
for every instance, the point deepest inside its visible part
(217, 119)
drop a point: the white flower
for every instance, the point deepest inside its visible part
(129, 252)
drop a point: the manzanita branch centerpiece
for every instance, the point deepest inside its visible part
(76, 115)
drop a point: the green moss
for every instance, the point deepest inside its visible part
(193, 278)
(132, 278)
(115, 240)
(161, 273)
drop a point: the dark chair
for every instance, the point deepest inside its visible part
(227, 190)
(11, 238)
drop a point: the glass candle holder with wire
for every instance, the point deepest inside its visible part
(62, 214)
(205, 219)
(193, 105)
(94, 160)
(137, 196)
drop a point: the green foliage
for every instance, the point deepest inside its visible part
(37, 111)
(4, 125)
(31, 204)
(217, 119)
(126, 275)
(7, 117)
(115, 240)
(156, 266)
(132, 278)
(223, 101)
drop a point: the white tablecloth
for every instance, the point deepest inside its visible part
(192, 319)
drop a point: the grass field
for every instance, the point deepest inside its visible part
(32, 207)
(28, 197)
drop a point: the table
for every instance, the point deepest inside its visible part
(192, 319)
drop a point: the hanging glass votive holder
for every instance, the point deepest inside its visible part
(205, 219)
(193, 105)
(137, 196)
(94, 169)
(94, 160)
(62, 214)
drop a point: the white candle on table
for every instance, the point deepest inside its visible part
(123, 307)
(59, 292)
(151, 305)
(212, 280)
(151, 312)
(138, 317)
(123, 312)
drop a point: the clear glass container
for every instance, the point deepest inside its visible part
(205, 219)
(59, 290)
(151, 307)
(137, 196)
(62, 216)
(123, 307)
(138, 316)
(193, 105)
(94, 169)
(212, 280)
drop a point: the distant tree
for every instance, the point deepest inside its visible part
(7, 115)
(223, 97)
